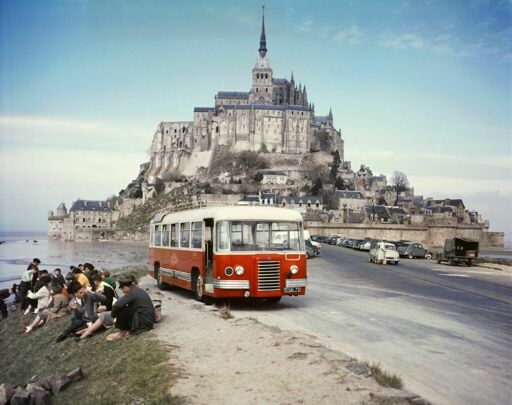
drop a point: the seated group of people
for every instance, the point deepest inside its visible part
(89, 295)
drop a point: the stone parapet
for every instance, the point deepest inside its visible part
(431, 236)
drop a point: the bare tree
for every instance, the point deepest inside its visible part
(399, 182)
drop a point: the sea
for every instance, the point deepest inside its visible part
(17, 249)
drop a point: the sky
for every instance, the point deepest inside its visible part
(420, 87)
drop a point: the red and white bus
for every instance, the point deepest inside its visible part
(229, 252)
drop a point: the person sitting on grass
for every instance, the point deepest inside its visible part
(83, 311)
(40, 296)
(134, 311)
(81, 277)
(57, 308)
(4, 294)
(105, 319)
(58, 278)
(107, 278)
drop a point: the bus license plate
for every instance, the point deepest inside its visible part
(291, 289)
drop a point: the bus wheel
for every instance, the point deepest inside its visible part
(198, 289)
(274, 300)
(161, 284)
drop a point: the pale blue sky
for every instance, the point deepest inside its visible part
(421, 87)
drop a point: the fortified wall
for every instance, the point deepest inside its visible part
(431, 236)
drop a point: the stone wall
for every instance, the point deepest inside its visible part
(430, 236)
(492, 239)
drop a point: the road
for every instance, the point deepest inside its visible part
(447, 331)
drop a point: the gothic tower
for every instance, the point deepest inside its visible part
(262, 87)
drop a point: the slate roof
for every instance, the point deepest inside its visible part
(321, 119)
(272, 172)
(378, 210)
(61, 206)
(250, 198)
(269, 196)
(233, 94)
(203, 109)
(277, 80)
(395, 210)
(89, 205)
(349, 194)
(266, 107)
(313, 199)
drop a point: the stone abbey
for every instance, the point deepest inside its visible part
(274, 115)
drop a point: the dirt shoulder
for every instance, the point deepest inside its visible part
(240, 360)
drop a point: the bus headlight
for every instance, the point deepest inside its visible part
(228, 271)
(294, 269)
(239, 270)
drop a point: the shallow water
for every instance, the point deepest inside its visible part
(18, 250)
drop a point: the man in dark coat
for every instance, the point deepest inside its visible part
(134, 311)
(4, 294)
(83, 309)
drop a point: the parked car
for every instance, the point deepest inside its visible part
(316, 245)
(389, 251)
(310, 251)
(332, 240)
(412, 250)
(366, 245)
(346, 242)
(458, 250)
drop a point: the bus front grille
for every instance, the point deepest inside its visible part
(268, 276)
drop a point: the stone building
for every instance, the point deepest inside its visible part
(86, 220)
(274, 113)
(352, 200)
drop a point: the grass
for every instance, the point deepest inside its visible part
(224, 312)
(134, 370)
(383, 377)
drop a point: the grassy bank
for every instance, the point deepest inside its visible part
(134, 370)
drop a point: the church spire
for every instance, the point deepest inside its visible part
(263, 40)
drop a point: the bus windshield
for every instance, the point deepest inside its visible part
(258, 236)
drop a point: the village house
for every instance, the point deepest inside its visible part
(273, 177)
(352, 200)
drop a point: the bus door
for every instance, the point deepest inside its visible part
(208, 252)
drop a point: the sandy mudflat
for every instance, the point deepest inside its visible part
(243, 361)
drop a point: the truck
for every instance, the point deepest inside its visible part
(458, 250)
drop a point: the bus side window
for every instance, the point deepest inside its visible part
(185, 235)
(165, 235)
(197, 234)
(158, 235)
(174, 235)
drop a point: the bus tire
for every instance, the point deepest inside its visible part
(161, 284)
(274, 300)
(198, 288)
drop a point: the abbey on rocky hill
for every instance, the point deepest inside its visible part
(274, 115)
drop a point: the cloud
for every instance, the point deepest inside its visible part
(352, 35)
(402, 41)
(70, 133)
(482, 40)
(306, 26)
